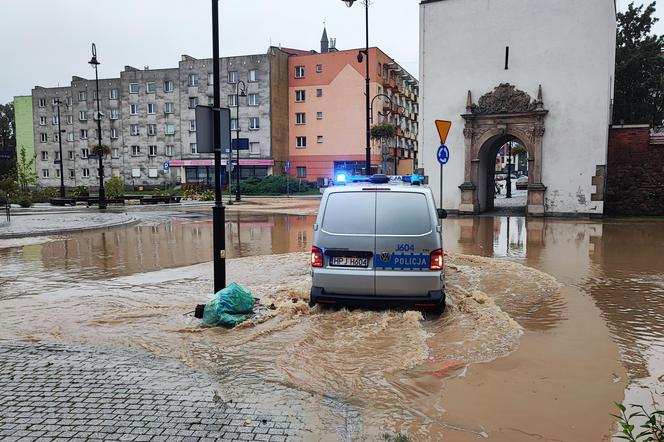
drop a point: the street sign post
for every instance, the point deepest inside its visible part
(287, 168)
(443, 154)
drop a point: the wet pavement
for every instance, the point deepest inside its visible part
(549, 322)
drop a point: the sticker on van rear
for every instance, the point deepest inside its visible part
(393, 261)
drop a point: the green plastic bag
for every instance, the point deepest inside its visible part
(229, 307)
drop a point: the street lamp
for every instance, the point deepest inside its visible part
(102, 194)
(509, 170)
(58, 102)
(238, 93)
(350, 3)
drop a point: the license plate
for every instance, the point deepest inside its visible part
(347, 261)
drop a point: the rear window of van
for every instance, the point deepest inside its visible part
(402, 213)
(350, 213)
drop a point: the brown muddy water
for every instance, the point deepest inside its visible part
(548, 323)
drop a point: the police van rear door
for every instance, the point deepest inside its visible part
(405, 237)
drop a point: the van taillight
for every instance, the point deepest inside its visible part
(316, 257)
(437, 260)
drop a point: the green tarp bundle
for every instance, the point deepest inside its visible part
(229, 307)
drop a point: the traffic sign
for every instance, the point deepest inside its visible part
(240, 144)
(287, 167)
(166, 166)
(443, 154)
(443, 127)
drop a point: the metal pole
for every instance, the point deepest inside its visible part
(237, 141)
(441, 186)
(62, 173)
(509, 170)
(102, 192)
(218, 211)
(368, 104)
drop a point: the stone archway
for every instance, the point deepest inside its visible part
(504, 114)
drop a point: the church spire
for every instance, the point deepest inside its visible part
(324, 41)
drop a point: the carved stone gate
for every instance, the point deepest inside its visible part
(498, 117)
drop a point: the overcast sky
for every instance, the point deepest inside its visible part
(45, 42)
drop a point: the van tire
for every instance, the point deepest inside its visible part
(440, 308)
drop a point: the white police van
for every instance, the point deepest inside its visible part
(379, 241)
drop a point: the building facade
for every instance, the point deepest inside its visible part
(327, 113)
(523, 76)
(148, 122)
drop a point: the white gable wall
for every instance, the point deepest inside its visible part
(567, 46)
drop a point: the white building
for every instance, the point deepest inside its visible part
(537, 71)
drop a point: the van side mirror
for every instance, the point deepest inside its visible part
(442, 213)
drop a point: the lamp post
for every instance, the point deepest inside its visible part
(102, 194)
(58, 102)
(238, 93)
(384, 150)
(350, 3)
(509, 170)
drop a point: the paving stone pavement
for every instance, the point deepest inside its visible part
(56, 392)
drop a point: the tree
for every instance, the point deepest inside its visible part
(7, 127)
(25, 170)
(105, 149)
(639, 88)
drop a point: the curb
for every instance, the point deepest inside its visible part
(129, 222)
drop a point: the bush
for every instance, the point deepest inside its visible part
(81, 191)
(208, 195)
(8, 185)
(23, 199)
(43, 195)
(651, 430)
(114, 187)
(271, 185)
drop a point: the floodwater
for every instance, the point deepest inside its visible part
(548, 323)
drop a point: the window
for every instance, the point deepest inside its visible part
(43, 138)
(71, 154)
(232, 100)
(253, 75)
(299, 71)
(301, 142)
(114, 114)
(151, 87)
(300, 95)
(319, 92)
(319, 68)
(232, 76)
(192, 126)
(136, 172)
(86, 172)
(152, 151)
(82, 95)
(42, 121)
(193, 148)
(94, 95)
(55, 120)
(57, 156)
(193, 79)
(254, 123)
(135, 151)
(336, 219)
(301, 172)
(84, 134)
(133, 109)
(319, 139)
(72, 173)
(70, 136)
(169, 129)
(170, 150)
(152, 130)
(44, 155)
(85, 153)
(70, 101)
(134, 130)
(113, 94)
(168, 86)
(253, 99)
(57, 173)
(254, 148)
(234, 125)
(153, 173)
(83, 116)
(193, 102)
(115, 152)
(114, 133)
(300, 118)
(70, 119)
(210, 79)
(319, 115)
(399, 214)
(56, 137)
(42, 102)
(44, 173)
(151, 108)
(168, 108)
(210, 100)
(133, 88)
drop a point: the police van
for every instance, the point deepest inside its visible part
(377, 240)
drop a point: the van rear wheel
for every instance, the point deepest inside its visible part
(439, 309)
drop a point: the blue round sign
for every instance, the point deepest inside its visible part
(166, 165)
(443, 154)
